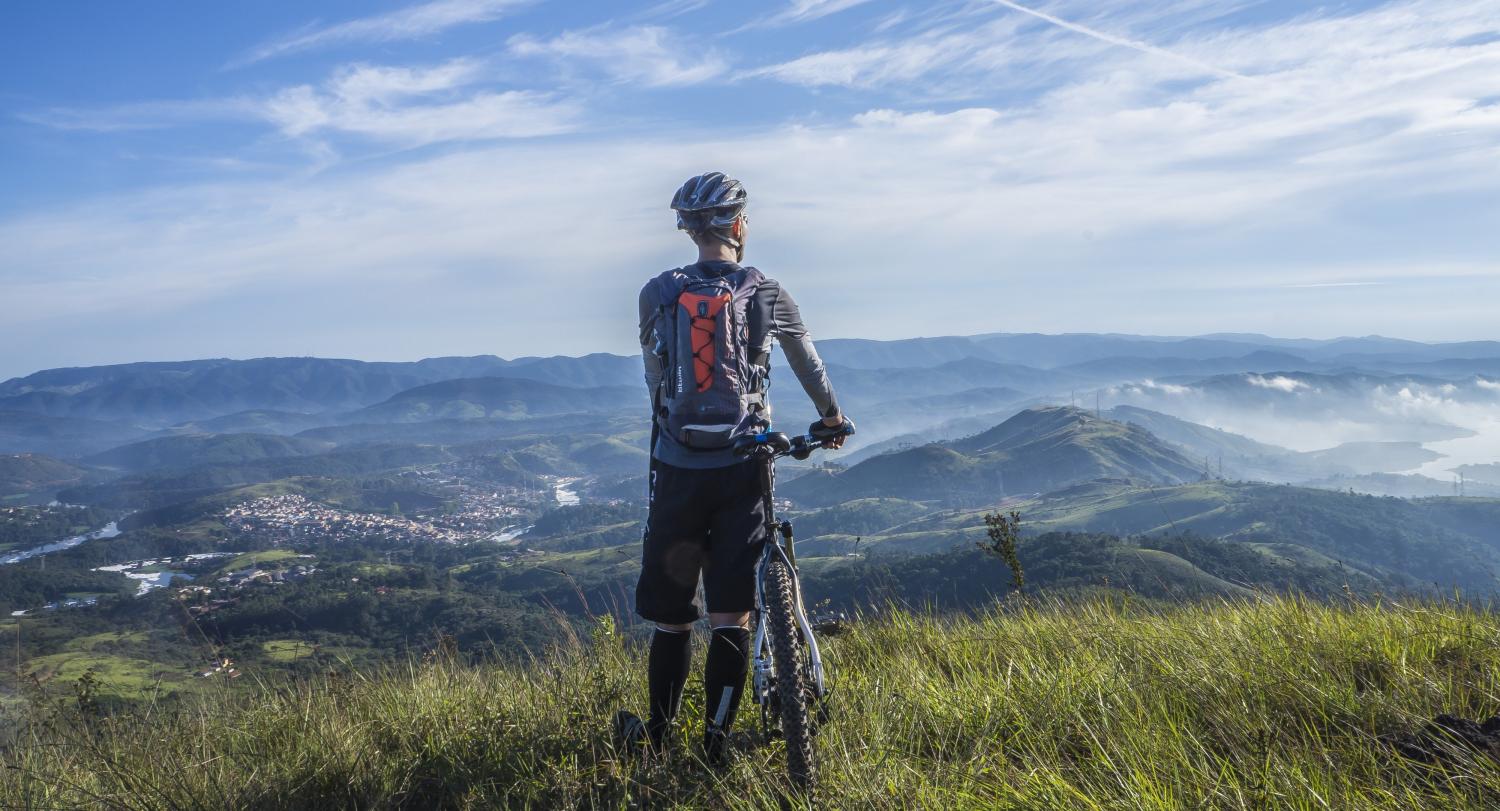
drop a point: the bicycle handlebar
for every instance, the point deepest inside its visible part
(776, 444)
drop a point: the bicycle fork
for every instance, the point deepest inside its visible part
(780, 544)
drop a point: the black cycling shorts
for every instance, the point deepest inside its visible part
(711, 521)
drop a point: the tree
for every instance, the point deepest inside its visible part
(1003, 531)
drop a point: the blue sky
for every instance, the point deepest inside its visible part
(393, 180)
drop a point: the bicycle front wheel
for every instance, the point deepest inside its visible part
(791, 687)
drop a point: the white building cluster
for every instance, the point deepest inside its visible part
(288, 518)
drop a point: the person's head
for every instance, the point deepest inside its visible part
(711, 209)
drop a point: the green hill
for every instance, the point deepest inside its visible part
(1430, 545)
(197, 450)
(259, 421)
(1418, 544)
(1036, 451)
(1089, 705)
(34, 473)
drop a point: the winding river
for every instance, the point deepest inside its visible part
(109, 530)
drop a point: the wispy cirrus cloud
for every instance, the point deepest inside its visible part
(673, 8)
(869, 65)
(969, 52)
(407, 23)
(801, 11)
(645, 55)
(1113, 39)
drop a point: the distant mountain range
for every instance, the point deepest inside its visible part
(1360, 406)
(165, 393)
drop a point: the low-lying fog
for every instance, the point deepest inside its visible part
(1308, 412)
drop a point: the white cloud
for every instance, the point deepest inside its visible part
(407, 23)
(644, 55)
(1280, 383)
(403, 106)
(386, 103)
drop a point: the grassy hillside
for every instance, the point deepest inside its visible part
(497, 398)
(1036, 451)
(1282, 704)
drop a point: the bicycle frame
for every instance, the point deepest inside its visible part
(779, 544)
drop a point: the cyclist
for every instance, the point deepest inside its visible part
(706, 513)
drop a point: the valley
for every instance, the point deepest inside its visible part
(297, 516)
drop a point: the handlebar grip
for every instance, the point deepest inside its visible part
(767, 443)
(823, 433)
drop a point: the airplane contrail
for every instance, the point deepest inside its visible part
(1143, 47)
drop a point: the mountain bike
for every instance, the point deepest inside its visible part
(789, 681)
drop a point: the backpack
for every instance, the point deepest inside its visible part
(712, 390)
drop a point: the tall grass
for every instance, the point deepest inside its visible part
(1094, 705)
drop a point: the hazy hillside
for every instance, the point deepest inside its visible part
(1244, 458)
(214, 389)
(1053, 351)
(458, 431)
(1113, 369)
(159, 488)
(499, 398)
(1488, 474)
(869, 386)
(257, 421)
(204, 449)
(1373, 457)
(22, 432)
(1038, 450)
(1199, 440)
(1403, 485)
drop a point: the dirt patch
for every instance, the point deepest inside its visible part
(1449, 738)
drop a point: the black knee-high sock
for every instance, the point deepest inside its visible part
(724, 675)
(666, 675)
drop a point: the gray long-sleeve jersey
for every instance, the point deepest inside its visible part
(773, 315)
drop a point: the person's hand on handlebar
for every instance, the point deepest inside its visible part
(831, 431)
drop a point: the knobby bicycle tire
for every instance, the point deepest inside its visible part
(791, 687)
